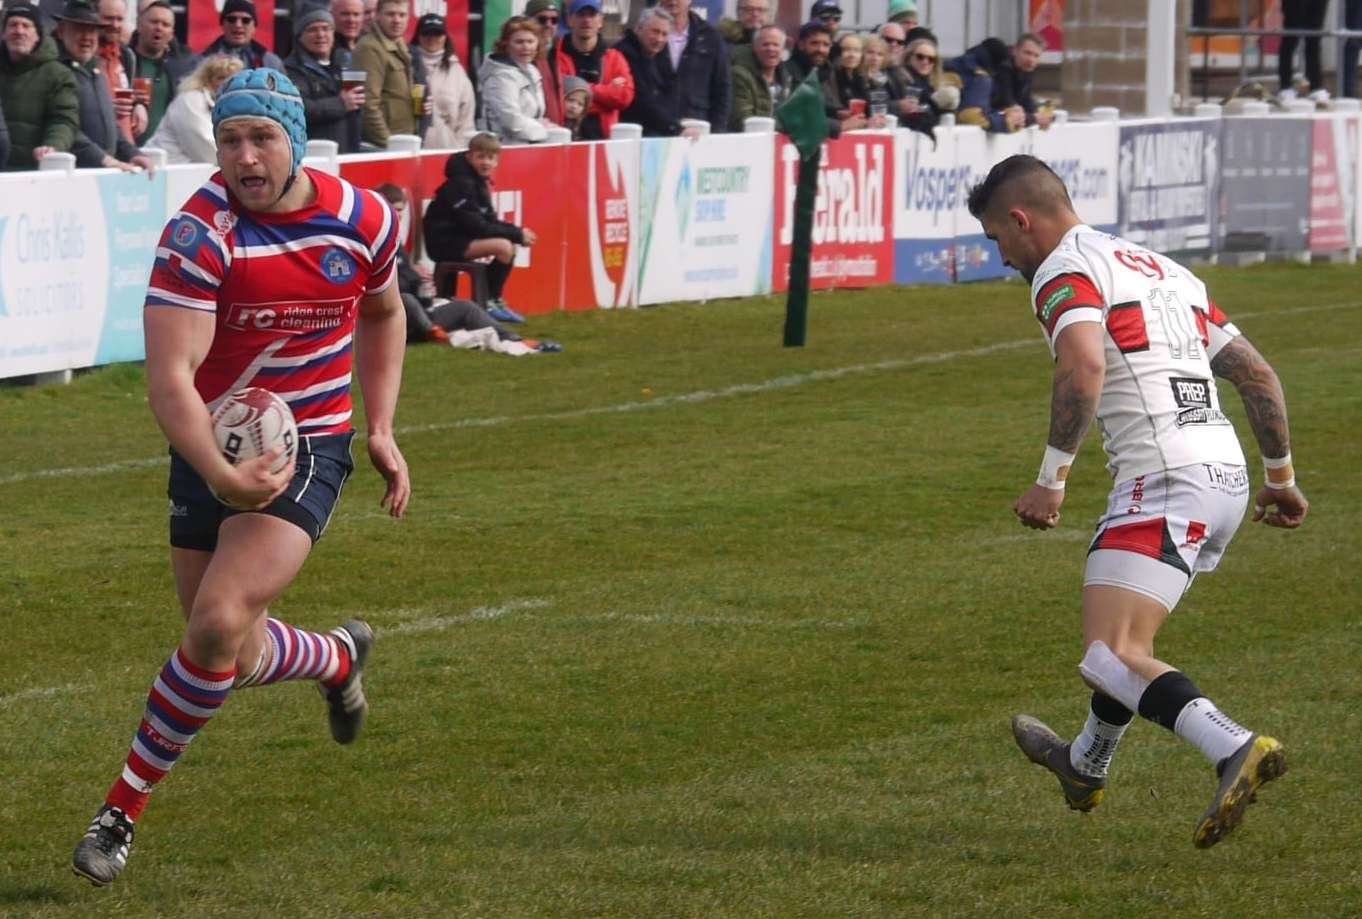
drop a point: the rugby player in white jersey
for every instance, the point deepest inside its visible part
(1137, 343)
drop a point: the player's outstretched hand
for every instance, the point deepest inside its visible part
(1039, 507)
(1280, 507)
(251, 485)
(390, 463)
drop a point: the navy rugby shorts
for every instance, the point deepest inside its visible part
(324, 464)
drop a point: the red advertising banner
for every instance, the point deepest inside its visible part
(852, 242)
(601, 256)
(1329, 195)
(205, 25)
(1046, 19)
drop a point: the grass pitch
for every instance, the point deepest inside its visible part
(683, 623)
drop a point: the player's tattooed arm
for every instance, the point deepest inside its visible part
(1257, 384)
(1080, 370)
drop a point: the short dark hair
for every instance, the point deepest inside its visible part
(392, 193)
(1026, 179)
(813, 27)
(1031, 37)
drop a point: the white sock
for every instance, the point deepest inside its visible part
(1210, 730)
(1092, 750)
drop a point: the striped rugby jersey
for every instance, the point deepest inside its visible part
(1160, 408)
(284, 289)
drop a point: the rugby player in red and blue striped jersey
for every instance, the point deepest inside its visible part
(276, 276)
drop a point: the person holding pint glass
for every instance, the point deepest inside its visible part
(332, 90)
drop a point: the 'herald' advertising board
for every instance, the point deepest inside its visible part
(1170, 184)
(852, 241)
(707, 217)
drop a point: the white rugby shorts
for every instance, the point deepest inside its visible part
(1161, 530)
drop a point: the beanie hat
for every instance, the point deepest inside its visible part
(265, 93)
(238, 6)
(575, 84)
(535, 7)
(25, 11)
(312, 17)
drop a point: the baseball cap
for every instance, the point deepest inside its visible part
(824, 8)
(579, 6)
(431, 24)
(535, 7)
(814, 27)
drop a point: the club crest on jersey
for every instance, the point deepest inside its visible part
(1055, 301)
(338, 266)
(185, 236)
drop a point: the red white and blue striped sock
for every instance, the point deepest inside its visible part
(293, 654)
(181, 701)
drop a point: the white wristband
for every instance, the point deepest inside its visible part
(1279, 473)
(1054, 469)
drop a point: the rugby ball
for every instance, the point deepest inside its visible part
(251, 422)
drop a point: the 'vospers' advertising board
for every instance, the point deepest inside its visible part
(929, 186)
(853, 244)
(976, 256)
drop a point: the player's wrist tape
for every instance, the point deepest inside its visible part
(1279, 472)
(1054, 469)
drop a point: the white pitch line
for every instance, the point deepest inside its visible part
(740, 621)
(25, 695)
(703, 395)
(480, 614)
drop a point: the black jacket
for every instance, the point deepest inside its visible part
(98, 134)
(320, 86)
(654, 105)
(4, 140)
(1013, 87)
(462, 212)
(702, 84)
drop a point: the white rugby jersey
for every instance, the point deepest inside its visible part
(1159, 408)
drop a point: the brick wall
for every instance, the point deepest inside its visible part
(1104, 54)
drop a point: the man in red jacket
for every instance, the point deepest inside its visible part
(583, 54)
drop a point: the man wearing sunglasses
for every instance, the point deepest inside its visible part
(829, 13)
(546, 16)
(238, 38)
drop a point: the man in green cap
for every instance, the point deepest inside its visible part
(903, 12)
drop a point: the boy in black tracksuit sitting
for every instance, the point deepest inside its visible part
(460, 224)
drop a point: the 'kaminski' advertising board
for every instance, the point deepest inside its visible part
(1170, 184)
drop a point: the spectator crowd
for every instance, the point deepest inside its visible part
(73, 79)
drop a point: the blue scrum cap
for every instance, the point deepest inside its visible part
(265, 93)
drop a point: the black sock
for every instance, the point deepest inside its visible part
(1164, 698)
(1109, 710)
(497, 273)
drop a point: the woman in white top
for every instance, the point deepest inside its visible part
(512, 89)
(186, 131)
(447, 85)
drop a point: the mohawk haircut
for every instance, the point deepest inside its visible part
(1020, 179)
